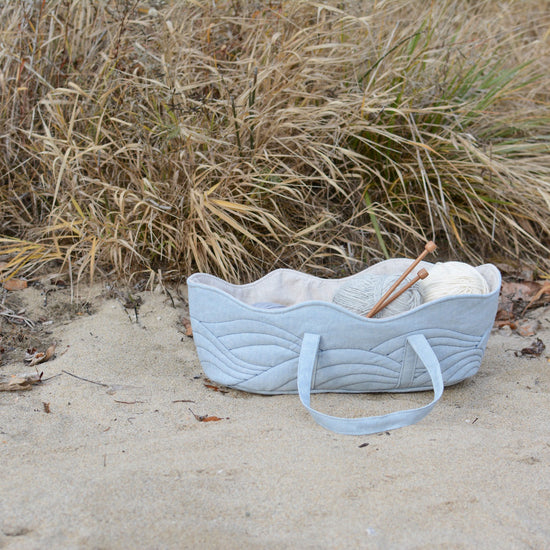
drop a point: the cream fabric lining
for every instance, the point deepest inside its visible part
(288, 287)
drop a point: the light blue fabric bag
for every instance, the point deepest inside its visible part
(309, 344)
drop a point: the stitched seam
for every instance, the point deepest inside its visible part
(407, 373)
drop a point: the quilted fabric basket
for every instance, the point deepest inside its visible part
(312, 345)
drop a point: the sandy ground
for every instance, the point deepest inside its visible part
(124, 463)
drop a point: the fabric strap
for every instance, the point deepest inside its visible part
(371, 424)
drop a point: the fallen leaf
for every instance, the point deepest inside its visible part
(34, 357)
(545, 289)
(526, 289)
(215, 388)
(516, 291)
(15, 284)
(516, 297)
(205, 417)
(517, 270)
(512, 324)
(20, 382)
(534, 350)
(528, 327)
(188, 328)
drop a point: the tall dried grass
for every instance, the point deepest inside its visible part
(233, 137)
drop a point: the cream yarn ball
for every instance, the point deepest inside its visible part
(362, 293)
(450, 279)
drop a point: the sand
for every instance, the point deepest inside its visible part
(124, 463)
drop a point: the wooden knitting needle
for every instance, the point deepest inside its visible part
(430, 247)
(422, 274)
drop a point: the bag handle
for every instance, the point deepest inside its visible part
(368, 424)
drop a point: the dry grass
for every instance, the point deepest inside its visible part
(231, 138)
